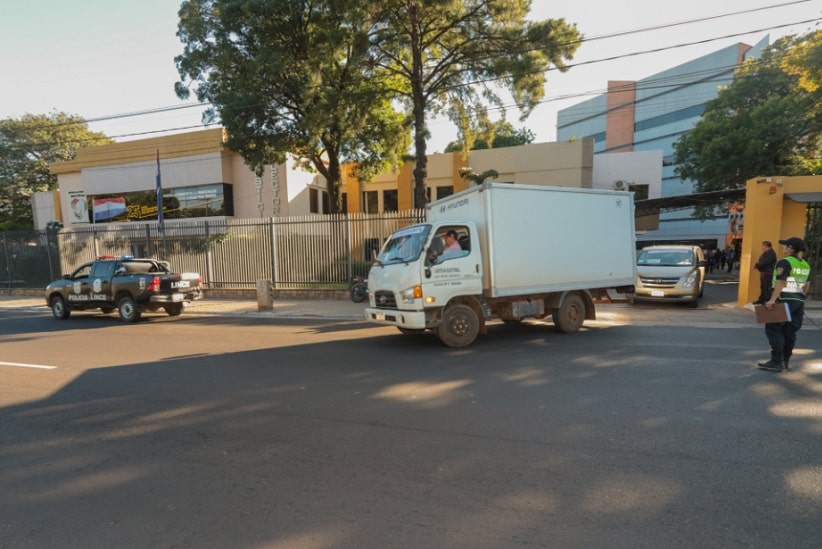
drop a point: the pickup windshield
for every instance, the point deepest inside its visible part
(404, 245)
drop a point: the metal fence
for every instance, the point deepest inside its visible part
(291, 252)
(28, 259)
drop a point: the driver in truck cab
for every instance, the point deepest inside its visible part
(451, 242)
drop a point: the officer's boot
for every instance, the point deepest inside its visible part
(776, 363)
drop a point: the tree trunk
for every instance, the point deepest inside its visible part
(418, 97)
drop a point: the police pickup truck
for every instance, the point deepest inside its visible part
(130, 285)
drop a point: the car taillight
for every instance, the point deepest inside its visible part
(154, 286)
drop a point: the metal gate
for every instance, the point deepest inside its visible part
(813, 248)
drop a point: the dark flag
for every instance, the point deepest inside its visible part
(159, 196)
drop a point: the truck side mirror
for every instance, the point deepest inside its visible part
(434, 251)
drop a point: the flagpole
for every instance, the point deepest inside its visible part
(159, 190)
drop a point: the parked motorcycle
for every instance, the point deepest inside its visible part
(359, 289)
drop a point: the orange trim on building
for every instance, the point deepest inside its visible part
(620, 115)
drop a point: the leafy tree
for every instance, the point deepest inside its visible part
(502, 134)
(471, 176)
(293, 76)
(27, 146)
(455, 57)
(766, 122)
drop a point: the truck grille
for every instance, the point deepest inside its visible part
(659, 281)
(385, 300)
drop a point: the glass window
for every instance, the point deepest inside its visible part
(444, 191)
(389, 201)
(370, 202)
(313, 202)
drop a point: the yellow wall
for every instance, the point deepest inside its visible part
(565, 164)
(771, 215)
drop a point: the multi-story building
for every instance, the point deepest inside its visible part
(651, 114)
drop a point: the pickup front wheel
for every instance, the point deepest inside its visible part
(459, 326)
(129, 312)
(59, 309)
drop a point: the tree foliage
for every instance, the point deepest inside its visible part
(27, 146)
(455, 57)
(293, 76)
(767, 122)
(502, 134)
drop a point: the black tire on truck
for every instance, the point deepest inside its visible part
(459, 326)
(59, 309)
(129, 311)
(570, 315)
(174, 309)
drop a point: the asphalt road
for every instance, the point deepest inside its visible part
(651, 428)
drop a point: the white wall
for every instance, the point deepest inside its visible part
(638, 167)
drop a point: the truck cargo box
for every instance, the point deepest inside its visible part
(539, 239)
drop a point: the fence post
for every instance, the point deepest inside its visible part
(208, 254)
(274, 258)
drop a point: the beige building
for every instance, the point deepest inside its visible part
(200, 177)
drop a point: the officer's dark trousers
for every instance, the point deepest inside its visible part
(782, 335)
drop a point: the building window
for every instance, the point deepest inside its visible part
(640, 191)
(442, 192)
(370, 202)
(344, 202)
(326, 202)
(389, 201)
(313, 201)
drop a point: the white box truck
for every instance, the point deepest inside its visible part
(508, 252)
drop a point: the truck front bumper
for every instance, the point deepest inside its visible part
(413, 320)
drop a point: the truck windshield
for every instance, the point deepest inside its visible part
(666, 258)
(404, 245)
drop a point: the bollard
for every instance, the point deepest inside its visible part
(264, 301)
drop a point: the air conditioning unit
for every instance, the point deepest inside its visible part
(620, 185)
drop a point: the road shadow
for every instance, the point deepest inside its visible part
(529, 437)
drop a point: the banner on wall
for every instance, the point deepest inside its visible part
(78, 207)
(108, 208)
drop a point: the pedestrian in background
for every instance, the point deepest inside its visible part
(790, 286)
(765, 265)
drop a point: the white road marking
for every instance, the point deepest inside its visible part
(21, 365)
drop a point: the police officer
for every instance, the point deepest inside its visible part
(790, 285)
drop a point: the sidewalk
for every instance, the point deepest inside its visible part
(308, 308)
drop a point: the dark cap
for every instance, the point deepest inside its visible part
(796, 244)
(452, 234)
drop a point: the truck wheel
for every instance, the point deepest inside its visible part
(570, 315)
(459, 326)
(175, 309)
(59, 309)
(129, 312)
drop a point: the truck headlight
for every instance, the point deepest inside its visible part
(408, 295)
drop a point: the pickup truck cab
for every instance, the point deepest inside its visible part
(130, 285)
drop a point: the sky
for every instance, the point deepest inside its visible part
(109, 61)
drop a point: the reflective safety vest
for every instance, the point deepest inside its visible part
(800, 272)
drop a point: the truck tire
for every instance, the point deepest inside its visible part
(129, 311)
(459, 327)
(570, 315)
(59, 309)
(175, 309)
